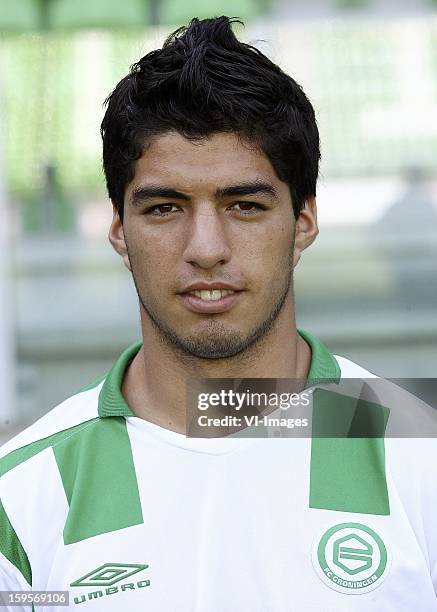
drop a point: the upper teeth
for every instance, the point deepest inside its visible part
(216, 294)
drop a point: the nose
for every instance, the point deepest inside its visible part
(207, 242)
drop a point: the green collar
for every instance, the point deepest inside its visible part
(323, 363)
(112, 403)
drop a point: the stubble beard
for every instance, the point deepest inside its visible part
(216, 340)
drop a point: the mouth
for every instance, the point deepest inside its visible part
(210, 302)
(211, 295)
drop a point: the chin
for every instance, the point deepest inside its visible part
(218, 345)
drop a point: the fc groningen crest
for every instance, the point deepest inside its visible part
(351, 558)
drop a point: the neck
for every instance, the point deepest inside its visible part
(154, 385)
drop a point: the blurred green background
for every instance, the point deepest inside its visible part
(367, 287)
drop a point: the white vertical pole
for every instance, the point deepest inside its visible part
(7, 352)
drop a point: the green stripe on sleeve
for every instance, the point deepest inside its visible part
(11, 547)
(98, 474)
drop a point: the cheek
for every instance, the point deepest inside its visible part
(153, 265)
(271, 248)
(266, 262)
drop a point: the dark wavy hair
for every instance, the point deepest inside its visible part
(204, 81)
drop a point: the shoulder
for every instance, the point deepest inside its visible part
(410, 449)
(31, 497)
(64, 420)
(350, 369)
(408, 416)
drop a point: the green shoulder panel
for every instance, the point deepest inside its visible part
(100, 483)
(19, 455)
(347, 474)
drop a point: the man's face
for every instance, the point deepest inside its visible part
(210, 211)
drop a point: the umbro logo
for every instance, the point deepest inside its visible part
(108, 575)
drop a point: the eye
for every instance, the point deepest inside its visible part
(248, 208)
(161, 210)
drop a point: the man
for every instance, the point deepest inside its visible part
(211, 158)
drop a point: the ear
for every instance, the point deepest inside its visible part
(306, 229)
(117, 239)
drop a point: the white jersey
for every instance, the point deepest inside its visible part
(126, 515)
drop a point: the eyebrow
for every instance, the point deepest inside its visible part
(141, 194)
(148, 192)
(244, 189)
